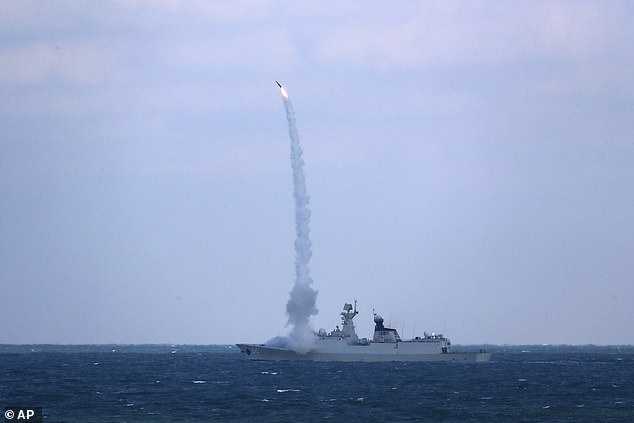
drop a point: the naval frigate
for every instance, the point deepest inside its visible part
(343, 344)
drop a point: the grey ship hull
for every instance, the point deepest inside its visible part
(375, 352)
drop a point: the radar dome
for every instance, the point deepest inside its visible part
(378, 318)
(322, 332)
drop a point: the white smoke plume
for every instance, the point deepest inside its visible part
(302, 302)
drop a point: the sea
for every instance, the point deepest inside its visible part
(188, 383)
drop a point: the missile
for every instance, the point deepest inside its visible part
(282, 90)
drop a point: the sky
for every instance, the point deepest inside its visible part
(470, 167)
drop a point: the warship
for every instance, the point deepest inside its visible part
(343, 344)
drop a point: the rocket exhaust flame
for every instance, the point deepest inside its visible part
(302, 300)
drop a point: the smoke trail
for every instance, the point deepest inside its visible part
(302, 302)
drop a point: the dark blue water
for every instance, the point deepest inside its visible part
(205, 384)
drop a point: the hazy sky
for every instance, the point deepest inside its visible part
(470, 167)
